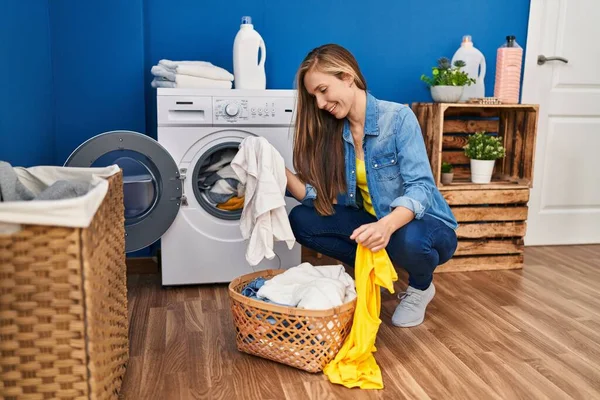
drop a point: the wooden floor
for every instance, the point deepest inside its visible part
(525, 334)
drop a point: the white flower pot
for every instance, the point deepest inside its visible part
(446, 94)
(481, 170)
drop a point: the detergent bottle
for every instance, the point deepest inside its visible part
(509, 60)
(248, 71)
(475, 68)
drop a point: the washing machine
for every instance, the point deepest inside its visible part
(198, 131)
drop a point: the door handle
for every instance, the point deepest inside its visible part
(541, 60)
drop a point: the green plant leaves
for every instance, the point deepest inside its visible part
(446, 167)
(482, 146)
(446, 75)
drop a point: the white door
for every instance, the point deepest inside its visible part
(565, 198)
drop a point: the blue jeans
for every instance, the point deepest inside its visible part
(418, 247)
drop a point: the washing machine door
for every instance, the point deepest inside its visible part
(152, 189)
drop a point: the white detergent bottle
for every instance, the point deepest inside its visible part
(248, 71)
(475, 68)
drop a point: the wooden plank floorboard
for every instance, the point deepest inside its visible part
(530, 333)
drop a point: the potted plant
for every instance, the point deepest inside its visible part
(483, 150)
(447, 82)
(447, 174)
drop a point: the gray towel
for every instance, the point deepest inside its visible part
(11, 189)
(161, 71)
(162, 83)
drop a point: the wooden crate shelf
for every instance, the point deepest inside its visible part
(485, 196)
(481, 263)
(492, 217)
(446, 128)
(492, 224)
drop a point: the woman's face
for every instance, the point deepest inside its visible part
(332, 94)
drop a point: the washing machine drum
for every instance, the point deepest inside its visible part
(152, 189)
(216, 186)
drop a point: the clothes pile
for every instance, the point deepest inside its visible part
(305, 286)
(190, 74)
(219, 183)
(51, 195)
(12, 189)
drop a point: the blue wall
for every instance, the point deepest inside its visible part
(96, 77)
(394, 41)
(26, 96)
(97, 63)
(72, 69)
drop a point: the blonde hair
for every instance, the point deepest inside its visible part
(318, 142)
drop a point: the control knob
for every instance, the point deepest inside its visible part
(232, 109)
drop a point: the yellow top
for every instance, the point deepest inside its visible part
(354, 365)
(361, 182)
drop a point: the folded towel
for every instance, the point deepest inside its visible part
(160, 71)
(173, 64)
(185, 81)
(202, 69)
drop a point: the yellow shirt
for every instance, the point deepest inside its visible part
(354, 365)
(361, 182)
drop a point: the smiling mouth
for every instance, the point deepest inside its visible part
(333, 108)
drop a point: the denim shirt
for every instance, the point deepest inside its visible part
(396, 162)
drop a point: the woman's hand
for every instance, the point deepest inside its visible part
(296, 187)
(374, 236)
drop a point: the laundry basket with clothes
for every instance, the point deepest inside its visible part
(307, 339)
(63, 302)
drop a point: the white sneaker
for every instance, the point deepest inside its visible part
(411, 310)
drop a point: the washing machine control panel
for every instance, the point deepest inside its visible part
(258, 110)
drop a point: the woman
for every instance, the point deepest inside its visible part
(363, 176)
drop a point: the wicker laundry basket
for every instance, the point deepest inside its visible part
(304, 339)
(63, 307)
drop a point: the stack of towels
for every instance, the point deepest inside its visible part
(190, 74)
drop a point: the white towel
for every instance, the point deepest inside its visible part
(309, 287)
(186, 81)
(202, 69)
(261, 170)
